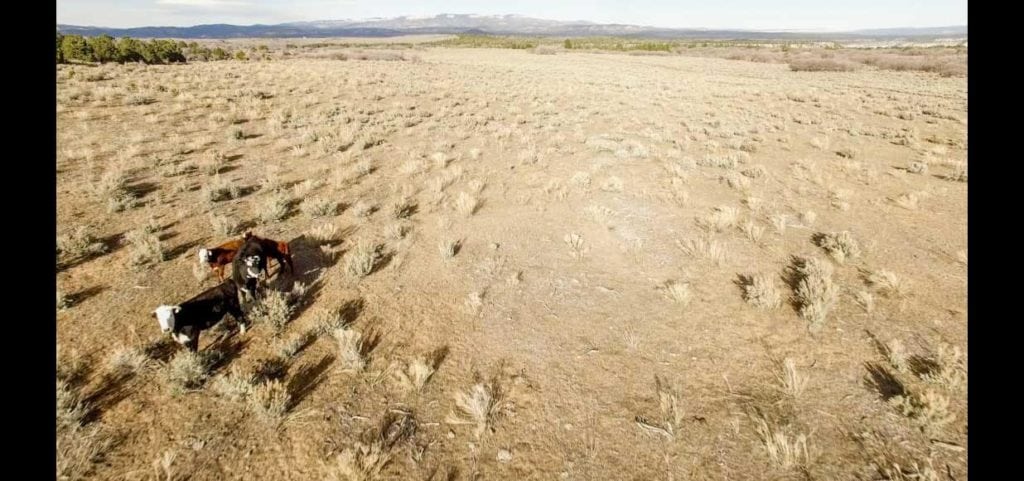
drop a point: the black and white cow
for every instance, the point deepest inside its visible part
(246, 267)
(185, 321)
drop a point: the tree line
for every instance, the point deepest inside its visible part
(104, 49)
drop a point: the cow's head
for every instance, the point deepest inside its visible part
(165, 316)
(205, 255)
(252, 266)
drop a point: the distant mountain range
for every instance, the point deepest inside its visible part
(491, 24)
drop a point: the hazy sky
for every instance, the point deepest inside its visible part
(744, 14)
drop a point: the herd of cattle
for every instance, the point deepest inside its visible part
(248, 257)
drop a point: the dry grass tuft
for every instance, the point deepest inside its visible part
(223, 225)
(273, 208)
(672, 414)
(324, 234)
(678, 292)
(888, 283)
(361, 462)
(273, 310)
(234, 386)
(704, 247)
(79, 244)
(790, 381)
(219, 189)
(363, 259)
(189, 370)
(316, 207)
(576, 245)
(145, 248)
(466, 204)
(270, 401)
(950, 368)
(759, 291)
(839, 245)
(929, 410)
(126, 361)
(815, 292)
(719, 219)
(897, 355)
(785, 451)
(909, 201)
(415, 374)
(350, 349)
(481, 406)
(363, 209)
(448, 248)
(753, 231)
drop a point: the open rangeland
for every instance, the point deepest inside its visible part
(576, 266)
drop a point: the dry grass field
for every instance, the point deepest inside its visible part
(574, 266)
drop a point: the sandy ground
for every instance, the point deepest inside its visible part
(596, 179)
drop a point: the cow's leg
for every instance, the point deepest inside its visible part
(236, 312)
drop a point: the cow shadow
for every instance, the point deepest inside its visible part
(228, 347)
(142, 189)
(880, 379)
(307, 378)
(182, 249)
(113, 388)
(84, 294)
(437, 357)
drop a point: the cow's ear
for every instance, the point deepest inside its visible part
(177, 309)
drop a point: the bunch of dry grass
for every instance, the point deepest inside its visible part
(223, 225)
(316, 207)
(929, 410)
(189, 370)
(448, 248)
(678, 292)
(888, 283)
(481, 406)
(79, 243)
(363, 209)
(790, 381)
(815, 292)
(270, 401)
(363, 259)
(949, 369)
(672, 413)
(576, 245)
(145, 248)
(361, 462)
(784, 450)
(273, 208)
(719, 219)
(126, 361)
(350, 349)
(759, 291)
(704, 247)
(415, 374)
(467, 204)
(273, 310)
(324, 234)
(219, 189)
(839, 245)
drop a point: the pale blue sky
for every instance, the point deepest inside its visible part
(822, 15)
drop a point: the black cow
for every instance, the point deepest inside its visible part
(246, 267)
(185, 321)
